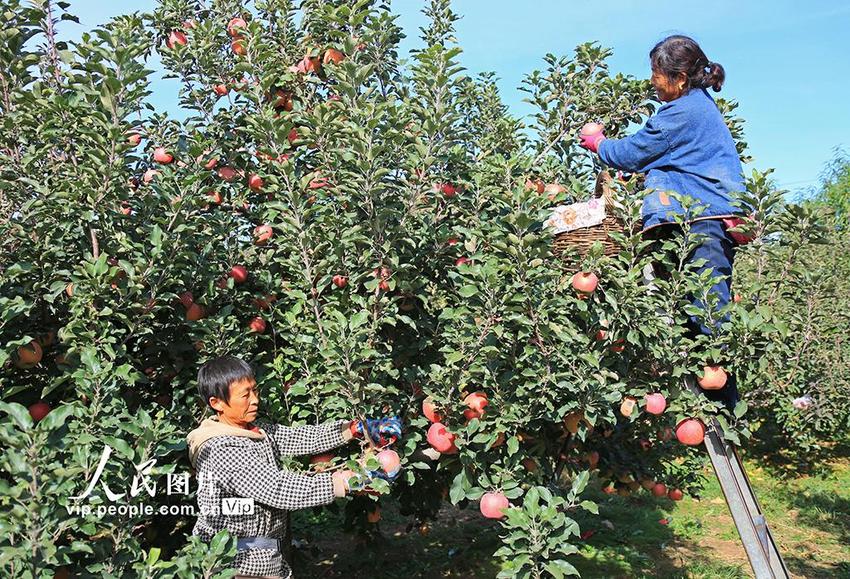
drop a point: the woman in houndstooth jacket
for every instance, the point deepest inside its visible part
(236, 457)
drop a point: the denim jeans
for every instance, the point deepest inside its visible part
(718, 249)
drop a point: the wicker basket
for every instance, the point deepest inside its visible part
(566, 244)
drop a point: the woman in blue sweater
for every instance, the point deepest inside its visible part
(687, 148)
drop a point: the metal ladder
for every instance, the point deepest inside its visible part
(761, 548)
(758, 541)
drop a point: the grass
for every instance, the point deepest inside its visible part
(809, 517)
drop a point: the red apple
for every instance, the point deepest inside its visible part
(462, 261)
(600, 335)
(239, 274)
(492, 505)
(591, 129)
(257, 325)
(452, 241)
(713, 378)
(659, 490)
(448, 189)
(530, 464)
(585, 282)
(321, 461)
(126, 209)
(690, 431)
(308, 64)
(238, 47)
(215, 197)
(535, 185)
(655, 403)
(209, 163)
(500, 440)
(149, 175)
(282, 100)
(134, 139)
(255, 182)
(221, 89)
(292, 136)
(235, 26)
(441, 439)
(333, 55)
(430, 411)
(175, 37)
(187, 299)
(572, 421)
(265, 302)
(618, 345)
(476, 402)
(627, 406)
(228, 173)
(552, 190)
(390, 461)
(262, 233)
(340, 281)
(39, 410)
(195, 312)
(160, 155)
(675, 494)
(382, 272)
(374, 516)
(28, 355)
(318, 183)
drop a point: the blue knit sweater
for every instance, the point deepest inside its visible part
(687, 148)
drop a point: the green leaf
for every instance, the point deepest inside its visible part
(219, 543)
(57, 417)
(590, 506)
(19, 414)
(358, 319)
(580, 483)
(561, 566)
(156, 237)
(153, 556)
(120, 445)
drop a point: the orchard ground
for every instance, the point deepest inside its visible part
(809, 517)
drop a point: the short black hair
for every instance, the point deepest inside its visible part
(216, 376)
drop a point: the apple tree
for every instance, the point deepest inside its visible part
(368, 233)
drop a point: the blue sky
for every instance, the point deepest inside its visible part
(787, 62)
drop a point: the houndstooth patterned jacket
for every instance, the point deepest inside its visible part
(239, 466)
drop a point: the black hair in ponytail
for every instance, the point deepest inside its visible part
(677, 54)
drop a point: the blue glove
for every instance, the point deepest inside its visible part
(390, 478)
(361, 483)
(382, 431)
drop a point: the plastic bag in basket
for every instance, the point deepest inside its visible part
(576, 216)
